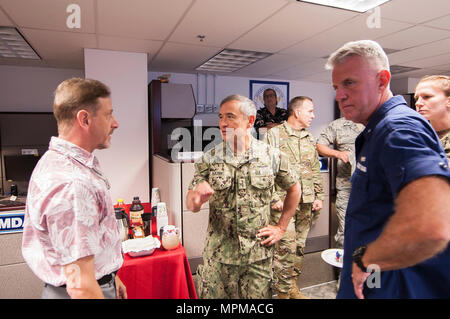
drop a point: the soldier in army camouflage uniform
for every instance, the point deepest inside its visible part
(433, 102)
(342, 134)
(238, 177)
(292, 138)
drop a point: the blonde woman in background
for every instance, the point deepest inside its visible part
(433, 102)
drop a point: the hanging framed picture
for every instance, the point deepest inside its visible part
(257, 89)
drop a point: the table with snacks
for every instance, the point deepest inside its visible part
(164, 274)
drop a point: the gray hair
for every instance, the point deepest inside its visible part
(246, 105)
(367, 49)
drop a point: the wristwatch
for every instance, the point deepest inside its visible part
(357, 257)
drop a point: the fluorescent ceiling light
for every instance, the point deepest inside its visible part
(229, 60)
(353, 5)
(14, 45)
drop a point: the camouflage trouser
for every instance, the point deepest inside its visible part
(222, 281)
(289, 251)
(342, 197)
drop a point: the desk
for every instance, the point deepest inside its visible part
(163, 275)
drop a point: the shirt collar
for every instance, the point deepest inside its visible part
(380, 113)
(77, 153)
(292, 131)
(226, 154)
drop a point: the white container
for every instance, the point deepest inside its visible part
(156, 196)
(140, 246)
(161, 221)
(170, 237)
(161, 216)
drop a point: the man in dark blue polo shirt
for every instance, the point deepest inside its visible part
(398, 217)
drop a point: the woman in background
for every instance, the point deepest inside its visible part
(432, 98)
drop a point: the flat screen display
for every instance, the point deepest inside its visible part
(18, 168)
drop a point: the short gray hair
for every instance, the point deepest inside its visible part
(246, 105)
(367, 49)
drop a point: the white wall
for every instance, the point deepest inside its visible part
(30, 89)
(126, 162)
(208, 92)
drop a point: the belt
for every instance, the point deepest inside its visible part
(104, 280)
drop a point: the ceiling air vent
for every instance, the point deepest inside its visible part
(14, 45)
(229, 60)
(396, 69)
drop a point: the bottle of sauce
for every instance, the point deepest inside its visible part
(136, 211)
(120, 204)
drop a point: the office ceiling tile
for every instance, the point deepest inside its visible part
(4, 20)
(142, 19)
(48, 46)
(302, 70)
(168, 58)
(415, 11)
(292, 24)
(442, 23)
(221, 22)
(271, 64)
(430, 62)
(129, 44)
(420, 52)
(412, 37)
(357, 28)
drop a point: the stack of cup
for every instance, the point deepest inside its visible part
(156, 196)
(161, 216)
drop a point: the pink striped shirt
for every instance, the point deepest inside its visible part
(69, 215)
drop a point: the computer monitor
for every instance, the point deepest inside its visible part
(24, 138)
(18, 168)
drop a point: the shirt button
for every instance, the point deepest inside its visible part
(443, 165)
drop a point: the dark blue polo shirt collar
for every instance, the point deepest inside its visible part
(380, 113)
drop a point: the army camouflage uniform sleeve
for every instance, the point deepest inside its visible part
(278, 193)
(201, 173)
(317, 179)
(286, 177)
(445, 140)
(327, 136)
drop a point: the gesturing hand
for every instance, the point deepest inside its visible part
(205, 191)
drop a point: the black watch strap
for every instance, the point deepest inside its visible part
(357, 257)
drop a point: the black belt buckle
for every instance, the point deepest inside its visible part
(105, 279)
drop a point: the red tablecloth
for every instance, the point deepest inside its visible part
(163, 275)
